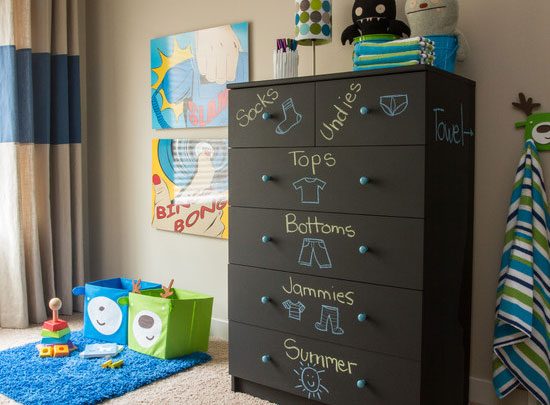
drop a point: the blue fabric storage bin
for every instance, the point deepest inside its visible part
(106, 308)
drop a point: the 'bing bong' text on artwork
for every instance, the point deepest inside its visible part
(189, 186)
(189, 74)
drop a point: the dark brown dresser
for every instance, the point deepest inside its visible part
(350, 242)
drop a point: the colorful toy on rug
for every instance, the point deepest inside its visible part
(374, 17)
(168, 323)
(369, 54)
(437, 20)
(56, 334)
(111, 364)
(106, 307)
(101, 350)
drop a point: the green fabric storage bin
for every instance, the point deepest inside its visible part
(169, 327)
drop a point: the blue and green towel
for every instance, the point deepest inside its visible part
(522, 330)
(402, 52)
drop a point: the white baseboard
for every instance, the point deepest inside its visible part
(219, 328)
(482, 393)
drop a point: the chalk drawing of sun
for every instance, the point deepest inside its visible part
(310, 381)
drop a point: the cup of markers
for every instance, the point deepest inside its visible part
(285, 59)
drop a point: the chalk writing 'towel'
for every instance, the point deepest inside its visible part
(448, 131)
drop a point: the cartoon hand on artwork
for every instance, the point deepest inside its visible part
(199, 219)
(217, 54)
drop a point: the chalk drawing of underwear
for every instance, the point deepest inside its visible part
(394, 105)
(314, 249)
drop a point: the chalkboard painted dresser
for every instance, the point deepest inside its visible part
(351, 237)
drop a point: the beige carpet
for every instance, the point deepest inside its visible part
(205, 384)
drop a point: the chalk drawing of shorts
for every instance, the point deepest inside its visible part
(314, 249)
(395, 104)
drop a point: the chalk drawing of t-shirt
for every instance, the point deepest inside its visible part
(295, 309)
(309, 189)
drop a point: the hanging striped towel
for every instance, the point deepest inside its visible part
(522, 331)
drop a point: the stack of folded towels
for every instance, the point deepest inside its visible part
(402, 52)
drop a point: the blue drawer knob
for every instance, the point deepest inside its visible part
(266, 178)
(364, 180)
(362, 317)
(266, 358)
(363, 249)
(364, 110)
(266, 116)
(361, 384)
(265, 299)
(266, 239)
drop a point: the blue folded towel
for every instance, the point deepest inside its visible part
(387, 65)
(400, 45)
(393, 58)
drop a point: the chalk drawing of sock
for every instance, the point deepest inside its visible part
(291, 117)
(394, 105)
(330, 315)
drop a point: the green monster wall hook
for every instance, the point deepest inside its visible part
(537, 126)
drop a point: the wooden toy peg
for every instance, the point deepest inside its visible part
(55, 305)
(136, 286)
(167, 290)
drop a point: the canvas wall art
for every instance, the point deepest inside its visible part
(189, 186)
(189, 74)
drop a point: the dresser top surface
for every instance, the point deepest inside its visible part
(350, 75)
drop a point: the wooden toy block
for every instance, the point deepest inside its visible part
(60, 350)
(55, 326)
(117, 364)
(46, 351)
(51, 334)
(107, 364)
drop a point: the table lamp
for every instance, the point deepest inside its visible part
(313, 23)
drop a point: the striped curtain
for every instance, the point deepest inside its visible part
(41, 247)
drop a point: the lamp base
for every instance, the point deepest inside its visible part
(313, 46)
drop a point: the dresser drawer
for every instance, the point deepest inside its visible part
(369, 317)
(379, 110)
(329, 245)
(321, 371)
(329, 179)
(272, 116)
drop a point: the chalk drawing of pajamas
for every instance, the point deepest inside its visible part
(295, 309)
(314, 249)
(309, 189)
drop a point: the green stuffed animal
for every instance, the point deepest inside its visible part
(436, 17)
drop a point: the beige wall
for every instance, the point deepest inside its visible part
(509, 42)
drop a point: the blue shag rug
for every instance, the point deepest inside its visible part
(26, 378)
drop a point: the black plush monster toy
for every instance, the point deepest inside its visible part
(374, 17)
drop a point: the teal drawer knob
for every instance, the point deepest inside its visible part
(266, 116)
(361, 384)
(362, 317)
(265, 299)
(266, 178)
(266, 239)
(364, 110)
(364, 180)
(363, 249)
(266, 358)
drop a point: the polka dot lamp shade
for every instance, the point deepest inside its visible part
(313, 21)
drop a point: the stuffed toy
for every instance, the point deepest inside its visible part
(374, 17)
(436, 17)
